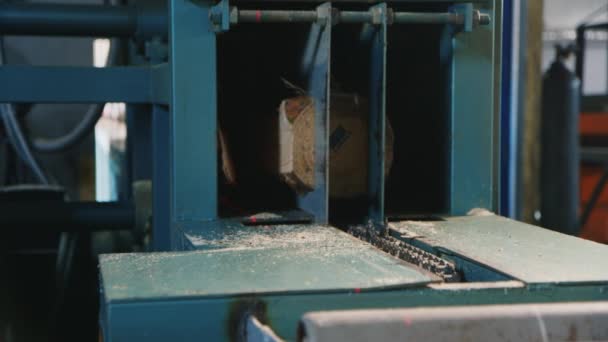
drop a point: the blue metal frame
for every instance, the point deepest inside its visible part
(161, 183)
(316, 63)
(473, 180)
(42, 84)
(185, 207)
(139, 141)
(377, 116)
(193, 143)
(185, 188)
(506, 162)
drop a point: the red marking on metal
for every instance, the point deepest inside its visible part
(258, 16)
(357, 290)
(407, 321)
(252, 219)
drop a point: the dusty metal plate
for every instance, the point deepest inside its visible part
(525, 252)
(258, 259)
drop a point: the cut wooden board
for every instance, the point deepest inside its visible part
(348, 144)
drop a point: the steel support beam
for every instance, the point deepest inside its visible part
(82, 20)
(377, 115)
(58, 216)
(193, 139)
(42, 84)
(475, 108)
(316, 64)
(161, 180)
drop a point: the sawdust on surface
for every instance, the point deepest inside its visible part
(281, 236)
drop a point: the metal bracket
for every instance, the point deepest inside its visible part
(221, 16)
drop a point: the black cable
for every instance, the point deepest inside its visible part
(15, 134)
(75, 136)
(84, 127)
(18, 140)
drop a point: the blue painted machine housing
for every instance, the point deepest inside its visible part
(216, 270)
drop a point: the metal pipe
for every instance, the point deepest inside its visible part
(57, 216)
(427, 18)
(276, 16)
(43, 19)
(351, 17)
(149, 21)
(355, 17)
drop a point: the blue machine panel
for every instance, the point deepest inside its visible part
(258, 259)
(525, 252)
(195, 318)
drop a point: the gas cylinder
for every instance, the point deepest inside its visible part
(560, 151)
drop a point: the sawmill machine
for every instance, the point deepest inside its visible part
(238, 252)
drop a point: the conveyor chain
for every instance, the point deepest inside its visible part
(407, 252)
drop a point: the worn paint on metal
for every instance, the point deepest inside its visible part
(522, 251)
(257, 260)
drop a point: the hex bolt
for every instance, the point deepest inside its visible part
(234, 15)
(481, 18)
(484, 19)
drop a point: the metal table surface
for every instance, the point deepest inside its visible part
(258, 260)
(525, 252)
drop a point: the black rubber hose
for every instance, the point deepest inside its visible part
(83, 128)
(19, 143)
(15, 135)
(75, 136)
